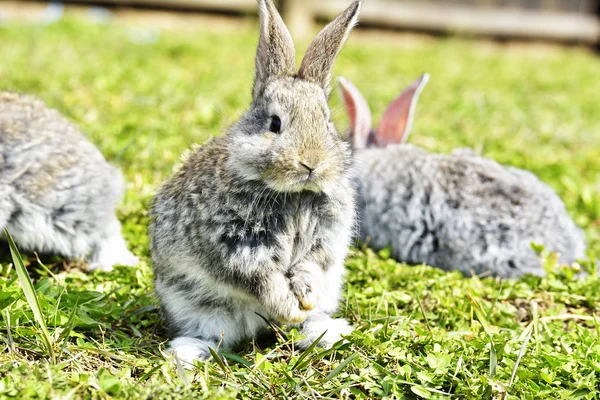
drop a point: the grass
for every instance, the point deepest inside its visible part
(145, 96)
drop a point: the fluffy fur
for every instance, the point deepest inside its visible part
(255, 225)
(458, 211)
(57, 192)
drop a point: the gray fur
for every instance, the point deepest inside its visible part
(57, 192)
(458, 211)
(244, 230)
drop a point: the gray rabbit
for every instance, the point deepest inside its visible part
(256, 224)
(57, 192)
(458, 211)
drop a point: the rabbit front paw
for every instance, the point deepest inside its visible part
(287, 309)
(296, 316)
(304, 284)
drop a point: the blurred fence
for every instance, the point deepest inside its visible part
(561, 20)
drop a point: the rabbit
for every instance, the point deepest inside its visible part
(254, 226)
(57, 192)
(459, 211)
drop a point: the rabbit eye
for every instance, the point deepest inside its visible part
(275, 126)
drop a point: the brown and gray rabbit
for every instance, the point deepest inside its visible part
(458, 211)
(256, 224)
(57, 192)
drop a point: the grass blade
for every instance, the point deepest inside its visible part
(30, 294)
(491, 310)
(66, 333)
(340, 367)
(219, 361)
(153, 370)
(493, 359)
(237, 359)
(102, 352)
(529, 331)
(9, 338)
(181, 372)
(480, 314)
(308, 350)
(315, 358)
(423, 312)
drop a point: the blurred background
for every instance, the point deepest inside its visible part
(575, 21)
(571, 21)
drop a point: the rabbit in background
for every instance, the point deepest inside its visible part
(455, 212)
(57, 192)
(255, 225)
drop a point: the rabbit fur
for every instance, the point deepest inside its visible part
(458, 211)
(255, 225)
(57, 192)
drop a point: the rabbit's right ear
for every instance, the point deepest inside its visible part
(317, 63)
(358, 112)
(396, 123)
(275, 55)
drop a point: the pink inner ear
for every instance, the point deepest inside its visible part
(396, 123)
(358, 112)
(350, 109)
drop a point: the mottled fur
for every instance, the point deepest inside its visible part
(57, 192)
(255, 225)
(458, 211)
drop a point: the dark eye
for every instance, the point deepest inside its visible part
(275, 126)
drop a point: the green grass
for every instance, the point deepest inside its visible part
(421, 332)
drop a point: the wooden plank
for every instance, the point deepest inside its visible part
(508, 23)
(496, 21)
(298, 17)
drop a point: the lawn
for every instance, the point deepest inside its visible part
(144, 96)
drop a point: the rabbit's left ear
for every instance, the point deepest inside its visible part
(318, 62)
(396, 123)
(275, 55)
(358, 112)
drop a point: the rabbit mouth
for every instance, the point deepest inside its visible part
(302, 174)
(297, 183)
(312, 183)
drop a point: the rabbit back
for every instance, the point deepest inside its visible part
(460, 211)
(59, 189)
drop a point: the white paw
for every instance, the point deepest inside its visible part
(314, 327)
(187, 350)
(128, 259)
(99, 266)
(107, 259)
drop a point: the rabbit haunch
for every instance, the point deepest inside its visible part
(57, 192)
(256, 224)
(458, 211)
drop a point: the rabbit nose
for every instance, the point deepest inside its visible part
(311, 160)
(309, 168)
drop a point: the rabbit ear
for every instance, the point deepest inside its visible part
(318, 62)
(396, 123)
(275, 55)
(358, 112)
